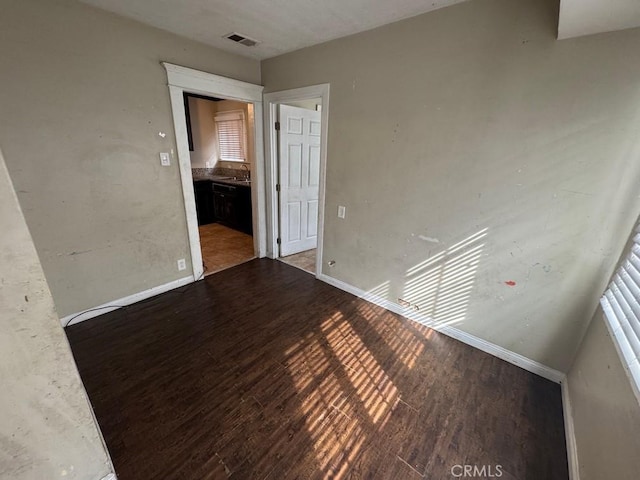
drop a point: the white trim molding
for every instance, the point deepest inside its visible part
(569, 432)
(488, 347)
(181, 80)
(196, 81)
(111, 476)
(124, 302)
(271, 102)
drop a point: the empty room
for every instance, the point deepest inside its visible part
(320, 240)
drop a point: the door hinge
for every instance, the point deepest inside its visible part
(278, 126)
(278, 241)
(277, 187)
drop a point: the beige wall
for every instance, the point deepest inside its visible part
(85, 98)
(585, 17)
(203, 133)
(606, 414)
(47, 429)
(469, 118)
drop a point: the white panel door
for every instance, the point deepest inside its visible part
(299, 165)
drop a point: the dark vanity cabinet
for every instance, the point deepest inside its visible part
(228, 204)
(204, 201)
(224, 203)
(232, 205)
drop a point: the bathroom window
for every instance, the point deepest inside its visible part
(232, 137)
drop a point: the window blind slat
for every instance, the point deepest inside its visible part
(621, 306)
(631, 345)
(607, 301)
(619, 289)
(634, 260)
(623, 347)
(632, 270)
(631, 278)
(631, 309)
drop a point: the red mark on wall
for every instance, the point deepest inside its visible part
(510, 283)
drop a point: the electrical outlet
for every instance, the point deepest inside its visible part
(165, 159)
(182, 264)
(342, 210)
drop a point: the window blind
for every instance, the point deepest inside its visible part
(621, 305)
(231, 136)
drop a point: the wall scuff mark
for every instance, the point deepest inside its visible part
(428, 239)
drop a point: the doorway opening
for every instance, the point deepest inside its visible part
(216, 89)
(222, 153)
(298, 131)
(296, 159)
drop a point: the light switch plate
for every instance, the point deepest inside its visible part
(342, 210)
(165, 159)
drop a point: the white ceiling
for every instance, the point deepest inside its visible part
(584, 17)
(286, 25)
(280, 25)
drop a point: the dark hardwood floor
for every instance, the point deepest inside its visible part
(263, 372)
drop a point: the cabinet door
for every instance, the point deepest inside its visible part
(244, 211)
(231, 211)
(219, 206)
(204, 201)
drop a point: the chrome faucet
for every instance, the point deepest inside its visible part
(248, 171)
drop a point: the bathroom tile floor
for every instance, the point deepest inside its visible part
(303, 260)
(223, 247)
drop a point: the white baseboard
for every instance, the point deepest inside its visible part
(111, 476)
(123, 302)
(569, 432)
(488, 347)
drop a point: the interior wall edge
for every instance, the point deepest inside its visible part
(569, 431)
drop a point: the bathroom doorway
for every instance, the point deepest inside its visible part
(221, 137)
(248, 178)
(295, 149)
(299, 179)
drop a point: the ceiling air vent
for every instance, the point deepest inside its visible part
(241, 39)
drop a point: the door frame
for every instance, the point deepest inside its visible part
(271, 102)
(181, 80)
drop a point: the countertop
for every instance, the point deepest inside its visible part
(221, 179)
